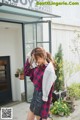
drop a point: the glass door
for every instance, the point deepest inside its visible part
(35, 34)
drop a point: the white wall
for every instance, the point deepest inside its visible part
(11, 45)
(64, 34)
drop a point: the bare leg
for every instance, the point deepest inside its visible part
(30, 116)
(37, 117)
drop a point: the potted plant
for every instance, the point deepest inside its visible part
(17, 73)
(20, 73)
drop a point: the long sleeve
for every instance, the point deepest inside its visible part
(28, 71)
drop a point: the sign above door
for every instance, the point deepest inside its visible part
(27, 7)
(30, 4)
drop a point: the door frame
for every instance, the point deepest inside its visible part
(49, 26)
(23, 39)
(23, 35)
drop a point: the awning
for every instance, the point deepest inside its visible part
(24, 11)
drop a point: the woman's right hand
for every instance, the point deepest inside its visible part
(29, 57)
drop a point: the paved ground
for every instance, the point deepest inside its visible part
(20, 112)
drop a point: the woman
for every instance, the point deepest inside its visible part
(43, 77)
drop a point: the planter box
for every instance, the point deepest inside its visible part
(57, 95)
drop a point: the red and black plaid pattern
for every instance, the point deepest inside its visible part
(36, 76)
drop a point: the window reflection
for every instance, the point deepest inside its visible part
(3, 86)
(44, 45)
(39, 32)
(3, 76)
(30, 33)
(2, 67)
(28, 48)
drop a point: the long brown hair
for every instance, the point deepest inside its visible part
(50, 59)
(40, 52)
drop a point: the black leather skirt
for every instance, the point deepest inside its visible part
(36, 103)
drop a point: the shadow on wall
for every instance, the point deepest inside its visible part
(75, 78)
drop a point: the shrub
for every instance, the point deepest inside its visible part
(59, 83)
(60, 108)
(74, 90)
